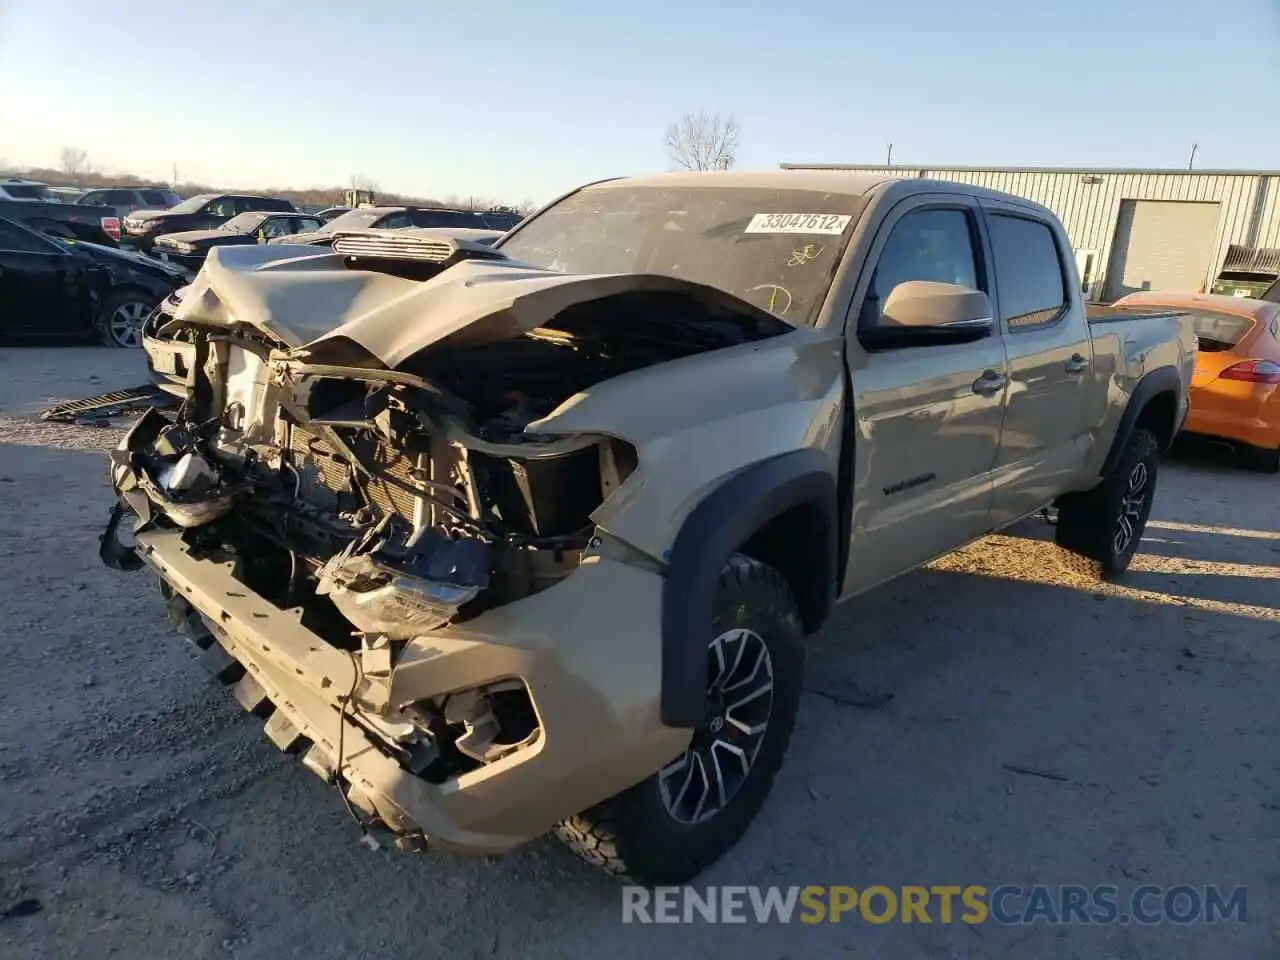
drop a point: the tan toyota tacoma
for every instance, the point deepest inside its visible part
(504, 540)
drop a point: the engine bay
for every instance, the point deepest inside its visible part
(388, 503)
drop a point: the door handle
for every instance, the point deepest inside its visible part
(990, 383)
(1077, 364)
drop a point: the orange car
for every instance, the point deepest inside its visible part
(1235, 391)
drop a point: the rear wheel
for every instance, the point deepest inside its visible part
(674, 824)
(121, 317)
(1099, 530)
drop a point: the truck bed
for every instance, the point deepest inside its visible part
(84, 223)
(1098, 313)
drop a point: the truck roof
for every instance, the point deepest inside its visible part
(818, 181)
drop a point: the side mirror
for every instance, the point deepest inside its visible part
(922, 313)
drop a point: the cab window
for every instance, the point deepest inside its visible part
(1029, 271)
(932, 244)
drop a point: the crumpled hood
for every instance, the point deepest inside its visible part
(306, 299)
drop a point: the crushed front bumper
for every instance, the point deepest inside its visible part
(587, 649)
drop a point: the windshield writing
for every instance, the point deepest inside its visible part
(776, 249)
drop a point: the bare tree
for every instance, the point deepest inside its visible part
(74, 161)
(701, 141)
(361, 182)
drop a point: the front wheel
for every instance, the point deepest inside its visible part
(1099, 530)
(120, 320)
(673, 825)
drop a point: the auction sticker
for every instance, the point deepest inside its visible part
(831, 223)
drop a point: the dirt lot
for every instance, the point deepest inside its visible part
(146, 815)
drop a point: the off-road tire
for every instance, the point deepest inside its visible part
(103, 323)
(632, 835)
(1088, 522)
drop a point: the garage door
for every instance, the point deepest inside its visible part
(1161, 245)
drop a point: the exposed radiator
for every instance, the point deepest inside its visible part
(395, 487)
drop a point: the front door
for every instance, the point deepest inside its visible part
(927, 419)
(33, 289)
(1054, 401)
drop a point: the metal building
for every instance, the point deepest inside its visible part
(1142, 229)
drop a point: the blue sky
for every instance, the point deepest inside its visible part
(522, 100)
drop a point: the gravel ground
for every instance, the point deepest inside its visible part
(146, 816)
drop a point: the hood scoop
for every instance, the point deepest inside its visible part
(428, 250)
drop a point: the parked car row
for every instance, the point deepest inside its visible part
(167, 238)
(188, 248)
(64, 287)
(204, 211)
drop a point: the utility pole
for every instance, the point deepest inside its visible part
(1192, 159)
(889, 160)
(175, 175)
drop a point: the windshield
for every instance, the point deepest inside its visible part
(192, 204)
(352, 220)
(777, 249)
(1219, 331)
(244, 222)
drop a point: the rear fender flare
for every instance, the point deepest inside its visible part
(714, 529)
(1163, 380)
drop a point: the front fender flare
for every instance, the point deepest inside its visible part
(714, 529)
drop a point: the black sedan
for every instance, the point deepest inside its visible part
(189, 248)
(51, 287)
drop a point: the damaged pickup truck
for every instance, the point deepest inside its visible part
(504, 540)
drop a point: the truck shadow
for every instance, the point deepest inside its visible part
(1124, 701)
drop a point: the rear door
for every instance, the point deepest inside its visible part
(1056, 395)
(927, 417)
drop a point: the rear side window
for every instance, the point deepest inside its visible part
(1029, 271)
(120, 198)
(395, 221)
(94, 198)
(266, 203)
(154, 197)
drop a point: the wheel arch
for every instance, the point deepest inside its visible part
(1152, 405)
(782, 511)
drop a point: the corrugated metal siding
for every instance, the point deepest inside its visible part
(1250, 203)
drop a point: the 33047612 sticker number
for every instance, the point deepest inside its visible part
(824, 223)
